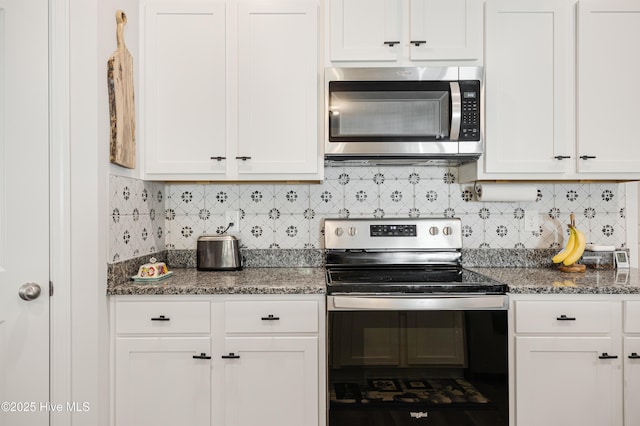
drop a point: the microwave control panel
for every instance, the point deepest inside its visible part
(470, 123)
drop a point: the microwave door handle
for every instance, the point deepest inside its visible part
(456, 111)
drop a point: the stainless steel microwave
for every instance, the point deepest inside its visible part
(404, 115)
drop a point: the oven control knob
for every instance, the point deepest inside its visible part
(433, 230)
(447, 230)
(353, 231)
(339, 231)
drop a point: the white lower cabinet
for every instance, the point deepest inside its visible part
(273, 381)
(160, 383)
(561, 381)
(271, 359)
(573, 360)
(218, 360)
(631, 359)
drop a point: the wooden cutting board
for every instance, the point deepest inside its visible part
(121, 100)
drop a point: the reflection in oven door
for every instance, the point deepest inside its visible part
(393, 368)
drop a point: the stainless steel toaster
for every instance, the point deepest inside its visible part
(218, 253)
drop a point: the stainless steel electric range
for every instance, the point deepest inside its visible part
(413, 337)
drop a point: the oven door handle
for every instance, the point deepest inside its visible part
(415, 303)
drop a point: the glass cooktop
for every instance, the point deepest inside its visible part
(410, 280)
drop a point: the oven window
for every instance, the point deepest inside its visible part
(392, 367)
(361, 112)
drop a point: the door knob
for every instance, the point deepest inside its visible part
(29, 291)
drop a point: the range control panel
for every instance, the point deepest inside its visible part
(397, 234)
(392, 230)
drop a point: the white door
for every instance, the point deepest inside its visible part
(24, 212)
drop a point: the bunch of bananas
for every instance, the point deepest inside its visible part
(572, 252)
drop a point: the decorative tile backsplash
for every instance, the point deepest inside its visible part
(150, 216)
(137, 224)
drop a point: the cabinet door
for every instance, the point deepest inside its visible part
(528, 66)
(562, 381)
(445, 29)
(359, 30)
(159, 383)
(278, 87)
(631, 355)
(274, 382)
(184, 80)
(608, 87)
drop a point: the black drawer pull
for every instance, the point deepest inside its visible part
(391, 43)
(270, 318)
(219, 158)
(418, 42)
(607, 356)
(634, 355)
(202, 356)
(230, 356)
(561, 157)
(243, 158)
(161, 318)
(565, 318)
(587, 157)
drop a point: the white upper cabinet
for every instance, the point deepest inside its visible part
(185, 90)
(445, 30)
(529, 64)
(277, 88)
(608, 106)
(401, 32)
(364, 30)
(231, 90)
(552, 111)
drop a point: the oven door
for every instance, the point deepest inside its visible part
(397, 360)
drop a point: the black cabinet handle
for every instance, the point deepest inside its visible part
(607, 356)
(230, 356)
(202, 356)
(561, 157)
(243, 158)
(418, 42)
(565, 318)
(634, 355)
(161, 318)
(391, 43)
(219, 158)
(586, 157)
(270, 318)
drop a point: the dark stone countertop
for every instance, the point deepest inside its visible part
(248, 281)
(552, 281)
(311, 280)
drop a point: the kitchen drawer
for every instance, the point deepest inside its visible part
(162, 317)
(562, 317)
(632, 317)
(288, 316)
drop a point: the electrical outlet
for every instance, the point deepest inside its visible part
(232, 216)
(531, 220)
